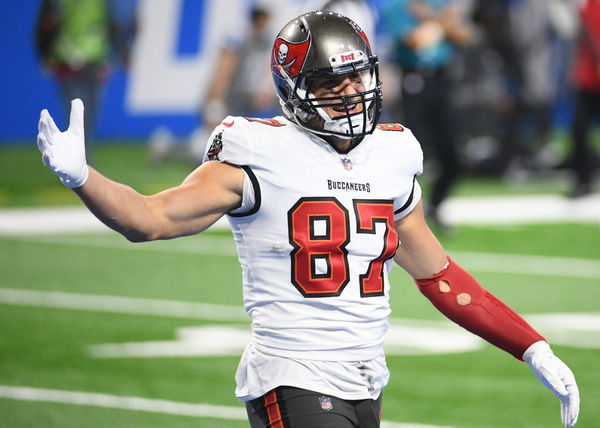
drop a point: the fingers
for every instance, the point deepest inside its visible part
(50, 123)
(557, 385)
(43, 127)
(569, 405)
(46, 123)
(547, 370)
(41, 121)
(570, 402)
(47, 130)
(44, 149)
(76, 117)
(570, 410)
(42, 142)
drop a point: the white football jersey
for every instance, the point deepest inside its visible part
(315, 236)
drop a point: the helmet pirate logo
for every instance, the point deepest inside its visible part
(289, 57)
(282, 54)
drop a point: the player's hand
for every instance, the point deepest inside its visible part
(64, 152)
(557, 377)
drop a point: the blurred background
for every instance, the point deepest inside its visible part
(503, 92)
(504, 96)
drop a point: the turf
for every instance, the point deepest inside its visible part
(47, 347)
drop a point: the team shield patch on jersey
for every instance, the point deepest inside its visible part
(325, 403)
(215, 149)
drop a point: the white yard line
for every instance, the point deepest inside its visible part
(53, 220)
(141, 404)
(568, 267)
(522, 264)
(457, 210)
(205, 244)
(123, 305)
(523, 209)
(122, 402)
(43, 225)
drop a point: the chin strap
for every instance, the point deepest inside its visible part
(455, 293)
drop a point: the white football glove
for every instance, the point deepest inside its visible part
(557, 377)
(64, 152)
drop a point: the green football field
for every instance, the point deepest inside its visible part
(99, 332)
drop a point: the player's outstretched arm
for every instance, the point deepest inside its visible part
(455, 293)
(204, 196)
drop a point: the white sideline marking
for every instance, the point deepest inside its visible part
(141, 404)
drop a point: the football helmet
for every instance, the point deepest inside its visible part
(324, 44)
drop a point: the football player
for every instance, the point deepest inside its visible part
(321, 201)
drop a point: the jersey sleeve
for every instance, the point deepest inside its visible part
(413, 198)
(413, 158)
(229, 143)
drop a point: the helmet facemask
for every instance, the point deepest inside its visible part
(347, 124)
(309, 110)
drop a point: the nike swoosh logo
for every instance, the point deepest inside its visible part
(229, 125)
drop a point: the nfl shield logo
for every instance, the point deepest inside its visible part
(347, 163)
(325, 403)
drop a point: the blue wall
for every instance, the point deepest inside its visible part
(25, 90)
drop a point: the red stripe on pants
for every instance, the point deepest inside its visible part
(273, 412)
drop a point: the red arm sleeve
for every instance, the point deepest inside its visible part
(456, 294)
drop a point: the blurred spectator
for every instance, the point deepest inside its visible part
(75, 40)
(537, 31)
(423, 35)
(241, 86)
(586, 81)
(512, 81)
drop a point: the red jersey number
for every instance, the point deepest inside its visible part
(319, 232)
(368, 214)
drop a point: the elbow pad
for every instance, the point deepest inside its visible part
(456, 294)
